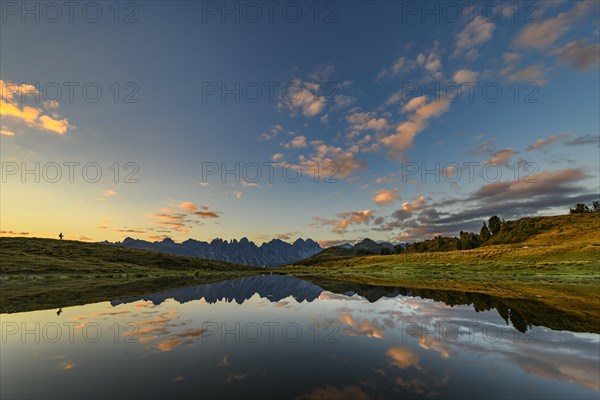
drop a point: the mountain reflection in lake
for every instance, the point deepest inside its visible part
(280, 337)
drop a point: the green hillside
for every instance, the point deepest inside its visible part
(50, 256)
(47, 273)
(561, 236)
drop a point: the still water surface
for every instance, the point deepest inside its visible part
(280, 337)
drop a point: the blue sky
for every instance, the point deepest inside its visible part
(368, 98)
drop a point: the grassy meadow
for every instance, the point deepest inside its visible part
(47, 273)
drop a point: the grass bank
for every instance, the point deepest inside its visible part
(46, 273)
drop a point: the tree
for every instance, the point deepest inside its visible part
(495, 224)
(398, 249)
(385, 251)
(580, 208)
(363, 252)
(485, 234)
(468, 240)
(596, 206)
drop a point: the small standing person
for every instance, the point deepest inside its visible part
(60, 236)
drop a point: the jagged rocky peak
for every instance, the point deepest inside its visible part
(245, 242)
(274, 253)
(128, 240)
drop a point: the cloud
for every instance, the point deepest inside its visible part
(272, 132)
(6, 132)
(361, 327)
(390, 178)
(238, 195)
(511, 58)
(465, 75)
(168, 345)
(414, 103)
(394, 98)
(540, 184)
(60, 126)
(545, 142)
(183, 218)
(299, 142)
(401, 65)
(331, 162)
(429, 61)
(509, 199)
(417, 122)
(344, 220)
(13, 233)
(191, 333)
(235, 377)
(277, 156)
(333, 242)
(33, 117)
(322, 73)
(502, 157)
(224, 362)
(287, 235)
(584, 140)
(124, 230)
(356, 217)
(188, 206)
(9, 90)
(532, 73)
(580, 55)
(303, 97)
(403, 357)
(106, 194)
(472, 54)
(67, 365)
(340, 101)
(407, 209)
(541, 35)
(385, 196)
(476, 32)
(365, 121)
(249, 184)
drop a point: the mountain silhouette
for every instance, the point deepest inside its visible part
(271, 254)
(272, 287)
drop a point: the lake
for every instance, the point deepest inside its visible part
(275, 336)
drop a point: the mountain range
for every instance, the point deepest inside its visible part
(271, 254)
(271, 287)
(347, 250)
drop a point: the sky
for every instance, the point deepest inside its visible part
(334, 121)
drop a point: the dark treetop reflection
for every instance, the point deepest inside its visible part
(276, 336)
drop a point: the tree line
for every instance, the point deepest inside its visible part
(581, 208)
(494, 231)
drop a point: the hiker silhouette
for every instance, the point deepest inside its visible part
(60, 236)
